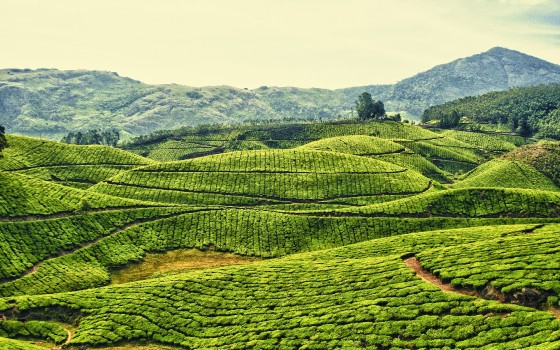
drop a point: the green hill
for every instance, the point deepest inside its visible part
(507, 173)
(272, 176)
(352, 240)
(77, 166)
(22, 195)
(359, 145)
(543, 156)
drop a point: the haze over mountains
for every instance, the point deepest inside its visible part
(51, 103)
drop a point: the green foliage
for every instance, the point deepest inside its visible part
(93, 137)
(277, 175)
(338, 204)
(367, 108)
(10, 344)
(32, 329)
(493, 142)
(449, 121)
(527, 111)
(22, 195)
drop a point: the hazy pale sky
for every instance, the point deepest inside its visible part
(249, 43)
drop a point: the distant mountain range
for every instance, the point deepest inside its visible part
(50, 103)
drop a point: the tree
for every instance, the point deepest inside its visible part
(93, 137)
(3, 141)
(367, 108)
(450, 121)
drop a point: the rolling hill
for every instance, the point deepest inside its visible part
(351, 239)
(50, 103)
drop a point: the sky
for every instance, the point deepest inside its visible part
(250, 43)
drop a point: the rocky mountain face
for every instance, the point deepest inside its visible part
(50, 103)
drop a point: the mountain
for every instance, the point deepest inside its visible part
(50, 103)
(494, 70)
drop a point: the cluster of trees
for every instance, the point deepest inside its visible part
(367, 108)
(3, 142)
(93, 137)
(529, 111)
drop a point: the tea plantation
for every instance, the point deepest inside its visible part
(332, 210)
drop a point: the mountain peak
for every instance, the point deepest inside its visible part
(500, 50)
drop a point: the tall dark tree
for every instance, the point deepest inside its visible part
(367, 108)
(3, 141)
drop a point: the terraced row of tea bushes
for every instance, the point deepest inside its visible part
(79, 176)
(482, 202)
(359, 145)
(316, 131)
(26, 243)
(487, 142)
(32, 329)
(417, 163)
(246, 232)
(365, 298)
(163, 196)
(10, 344)
(434, 151)
(293, 161)
(181, 149)
(27, 152)
(415, 242)
(523, 265)
(273, 186)
(22, 196)
(507, 173)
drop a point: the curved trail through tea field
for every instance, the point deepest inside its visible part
(414, 264)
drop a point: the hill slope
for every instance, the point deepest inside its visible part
(50, 103)
(507, 173)
(342, 238)
(528, 110)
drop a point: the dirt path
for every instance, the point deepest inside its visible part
(414, 264)
(491, 293)
(70, 333)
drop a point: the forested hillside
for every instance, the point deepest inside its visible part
(530, 111)
(50, 103)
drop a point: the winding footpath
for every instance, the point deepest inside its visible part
(414, 264)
